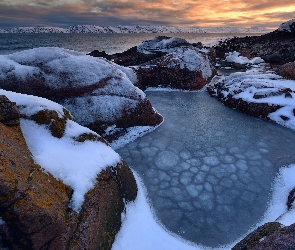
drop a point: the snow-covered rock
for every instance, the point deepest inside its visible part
(264, 95)
(237, 59)
(131, 29)
(161, 44)
(97, 92)
(182, 66)
(287, 26)
(75, 183)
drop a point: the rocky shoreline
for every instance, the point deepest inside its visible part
(35, 207)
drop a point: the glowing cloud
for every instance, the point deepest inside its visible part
(144, 12)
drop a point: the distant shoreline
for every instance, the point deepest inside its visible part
(131, 29)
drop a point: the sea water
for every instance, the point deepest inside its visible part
(110, 43)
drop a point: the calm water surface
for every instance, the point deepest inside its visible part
(111, 43)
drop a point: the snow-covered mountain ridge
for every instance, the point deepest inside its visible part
(132, 29)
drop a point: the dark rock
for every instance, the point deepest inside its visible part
(275, 47)
(153, 59)
(273, 59)
(282, 239)
(9, 113)
(155, 76)
(291, 198)
(257, 235)
(130, 57)
(287, 70)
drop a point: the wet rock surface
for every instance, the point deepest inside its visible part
(208, 169)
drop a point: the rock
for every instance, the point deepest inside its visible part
(169, 62)
(288, 26)
(276, 47)
(184, 68)
(97, 92)
(283, 239)
(249, 93)
(56, 123)
(161, 44)
(130, 57)
(35, 206)
(287, 70)
(291, 199)
(257, 235)
(9, 113)
(273, 59)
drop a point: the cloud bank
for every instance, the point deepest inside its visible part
(63, 13)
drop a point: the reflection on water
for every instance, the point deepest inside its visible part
(208, 169)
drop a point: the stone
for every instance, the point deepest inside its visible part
(257, 235)
(276, 47)
(35, 206)
(166, 62)
(287, 70)
(291, 198)
(97, 92)
(9, 113)
(283, 239)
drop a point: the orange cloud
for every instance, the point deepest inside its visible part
(166, 12)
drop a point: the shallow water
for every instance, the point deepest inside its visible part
(208, 169)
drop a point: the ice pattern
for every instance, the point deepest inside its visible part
(208, 169)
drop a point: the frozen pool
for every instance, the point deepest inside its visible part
(208, 169)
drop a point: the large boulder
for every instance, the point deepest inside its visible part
(183, 68)
(287, 70)
(264, 95)
(168, 62)
(41, 205)
(97, 92)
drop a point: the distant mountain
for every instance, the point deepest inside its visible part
(131, 29)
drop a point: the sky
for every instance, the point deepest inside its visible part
(198, 13)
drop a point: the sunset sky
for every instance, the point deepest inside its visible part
(200, 13)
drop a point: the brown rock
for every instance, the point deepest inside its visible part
(257, 235)
(154, 76)
(35, 206)
(100, 217)
(282, 239)
(56, 123)
(287, 70)
(9, 113)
